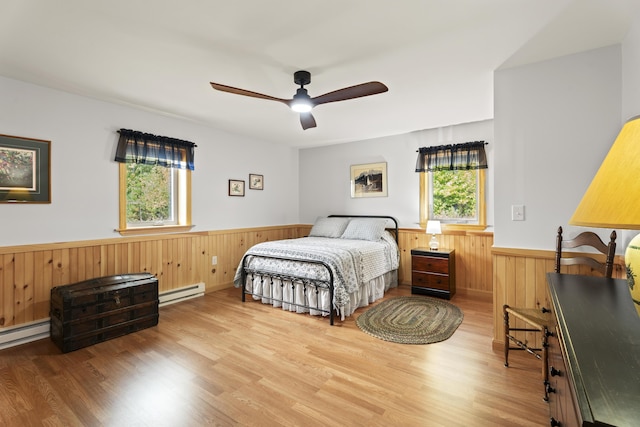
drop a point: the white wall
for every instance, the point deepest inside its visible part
(554, 124)
(325, 173)
(631, 72)
(84, 177)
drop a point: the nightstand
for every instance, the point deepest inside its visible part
(433, 272)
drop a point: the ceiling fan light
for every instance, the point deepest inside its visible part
(301, 103)
(301, 106)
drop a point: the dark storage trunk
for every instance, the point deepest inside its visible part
(97, 310)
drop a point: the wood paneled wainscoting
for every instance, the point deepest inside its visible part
(28, 272)
(474, 274)
(519, 278)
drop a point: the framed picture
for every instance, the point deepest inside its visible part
(236, 187)
(256, 182)
(25, 170)
(369, 180)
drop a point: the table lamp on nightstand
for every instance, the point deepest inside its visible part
(613, 198)
(433, 228)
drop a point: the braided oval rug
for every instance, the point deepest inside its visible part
(411, 320)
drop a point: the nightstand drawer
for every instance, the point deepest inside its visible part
(430, 264)
(433, 281)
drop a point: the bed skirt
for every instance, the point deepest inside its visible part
(301, 298)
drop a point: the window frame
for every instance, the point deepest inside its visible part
(482, 208)
(183, 199)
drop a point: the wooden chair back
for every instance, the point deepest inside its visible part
(590, 239)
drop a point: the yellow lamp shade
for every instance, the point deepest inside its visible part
(613, 198)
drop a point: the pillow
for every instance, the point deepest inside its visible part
(365, 229)
(329, 227)
(388, 238)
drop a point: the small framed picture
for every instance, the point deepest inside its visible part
(369, 180)
(236, 187)
(256, 182)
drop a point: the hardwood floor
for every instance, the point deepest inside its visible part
(217, 361)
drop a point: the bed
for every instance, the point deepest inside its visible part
(345, 262)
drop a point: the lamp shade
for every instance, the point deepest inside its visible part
(611, 201)
(433, 227)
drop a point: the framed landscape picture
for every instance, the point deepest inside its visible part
(25, 170)
(236, 187)
(369, 180)
(256, 182)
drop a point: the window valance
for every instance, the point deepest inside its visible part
(145, 148)
(464, 156)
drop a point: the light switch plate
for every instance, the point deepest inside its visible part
(517, 212)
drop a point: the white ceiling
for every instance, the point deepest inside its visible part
(436, 56)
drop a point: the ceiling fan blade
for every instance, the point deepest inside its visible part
(307, 121)
(351, 92)
(237, 91)
(301, 100)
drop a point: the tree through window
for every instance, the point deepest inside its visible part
(151, 195)
(454, 196)
(155, 181)
(452, 181)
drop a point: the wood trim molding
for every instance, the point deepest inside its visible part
(469, 231)
(540, 253)
(534, 253)
(137, 231)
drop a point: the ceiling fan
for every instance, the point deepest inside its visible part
(303, 103)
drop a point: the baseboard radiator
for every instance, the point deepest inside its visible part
(181, 294)
(24, 333)
(39, 329)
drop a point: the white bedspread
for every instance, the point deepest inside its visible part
(352, 262)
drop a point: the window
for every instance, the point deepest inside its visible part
(155, 183)
(452, 184)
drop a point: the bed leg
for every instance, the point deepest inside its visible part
(331, 310)
(243, 286)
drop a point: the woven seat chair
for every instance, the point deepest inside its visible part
(539, 320)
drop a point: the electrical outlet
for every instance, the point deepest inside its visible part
(214, 260)
(517, 212)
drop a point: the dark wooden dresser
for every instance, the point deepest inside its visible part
(99, 309)
(433, 272)
(594, 353)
